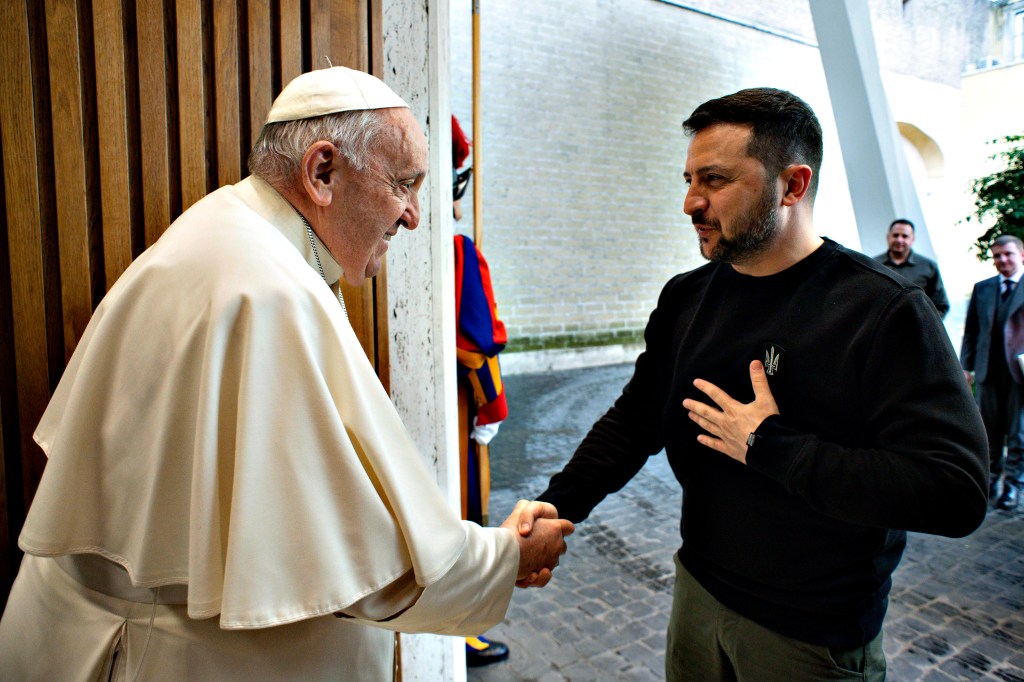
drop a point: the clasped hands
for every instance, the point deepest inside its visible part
(541, 536)
(729, 423)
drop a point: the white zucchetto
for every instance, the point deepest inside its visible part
(329, 91)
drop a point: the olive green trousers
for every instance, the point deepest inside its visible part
(708, 642)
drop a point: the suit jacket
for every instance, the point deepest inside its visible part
(977, 341)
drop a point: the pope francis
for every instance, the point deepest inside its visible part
(230, 494)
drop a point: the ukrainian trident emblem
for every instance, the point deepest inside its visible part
(772, 356)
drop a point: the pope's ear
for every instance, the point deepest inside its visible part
(318, 172)
(798, 181)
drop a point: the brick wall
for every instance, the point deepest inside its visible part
(583, 149)
(930, 39)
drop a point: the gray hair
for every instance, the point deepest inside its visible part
(277, 153)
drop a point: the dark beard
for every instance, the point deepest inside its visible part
(762, 226)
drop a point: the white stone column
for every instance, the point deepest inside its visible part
(881, 185)
(421, 288)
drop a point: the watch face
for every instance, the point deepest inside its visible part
(751, 439)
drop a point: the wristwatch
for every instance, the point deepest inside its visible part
(752, 440)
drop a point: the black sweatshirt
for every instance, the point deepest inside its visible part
(877, 434)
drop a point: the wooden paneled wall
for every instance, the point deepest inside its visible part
(115, 116)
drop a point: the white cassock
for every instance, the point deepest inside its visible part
(226, 473)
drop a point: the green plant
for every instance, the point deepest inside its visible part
(1000, 195)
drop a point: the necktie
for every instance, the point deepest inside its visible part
(1007, 289)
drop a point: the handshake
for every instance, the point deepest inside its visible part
(541, 535)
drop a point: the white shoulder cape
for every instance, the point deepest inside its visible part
(220, 426)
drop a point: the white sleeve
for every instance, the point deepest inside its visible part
(469, 599)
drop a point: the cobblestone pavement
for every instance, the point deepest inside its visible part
(957, 606)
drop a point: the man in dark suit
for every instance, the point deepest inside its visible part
(991, 357)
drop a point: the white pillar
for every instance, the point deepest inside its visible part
(881, 186)
(421, 288)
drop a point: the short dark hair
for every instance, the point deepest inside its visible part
(1004, 239)
(785, 129)
(900, 221)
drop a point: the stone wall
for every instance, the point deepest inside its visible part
(583, 150)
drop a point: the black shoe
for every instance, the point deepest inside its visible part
(481, 651)
(1010, 497)
(993, 490)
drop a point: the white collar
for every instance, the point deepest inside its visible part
(268, 202)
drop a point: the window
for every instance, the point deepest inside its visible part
(1018, 34)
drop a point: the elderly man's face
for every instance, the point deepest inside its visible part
(372, 204)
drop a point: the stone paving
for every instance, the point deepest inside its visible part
(957, 606)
